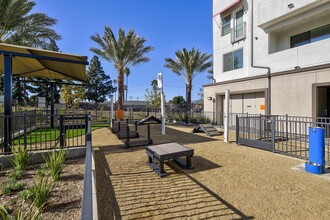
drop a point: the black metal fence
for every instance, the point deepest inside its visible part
(39, 130)
(282, 134)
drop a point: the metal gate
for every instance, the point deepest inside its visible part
(281, 133)
(255, 131)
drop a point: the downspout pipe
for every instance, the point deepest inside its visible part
(261, 67)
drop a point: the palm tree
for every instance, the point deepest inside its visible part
(124, 52)
(210, 75)
(189, 64)
(19, 26)
(127, 73)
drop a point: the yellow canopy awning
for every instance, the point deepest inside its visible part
(32, 62)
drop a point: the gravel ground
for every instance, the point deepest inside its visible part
(228, 182)
(66, 197)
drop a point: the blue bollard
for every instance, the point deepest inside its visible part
(316, 163)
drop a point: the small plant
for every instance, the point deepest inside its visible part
(16, 173)
(31, 214)
(4, 213)
(43, 171)
(40, 193)
(55, 163)
(12, 186)
(21, 159)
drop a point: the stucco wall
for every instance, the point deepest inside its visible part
(270, 49)
(292, 94)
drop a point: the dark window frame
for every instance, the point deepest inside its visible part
(233, 59)
(228, 24)
(309, 33)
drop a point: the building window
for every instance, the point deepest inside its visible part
(238, 32)
(225, 23)
(310, 36)
(233, 60)
(239, 26)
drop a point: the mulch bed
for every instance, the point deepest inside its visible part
(66, 199)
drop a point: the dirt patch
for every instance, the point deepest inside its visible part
(66, 199)
(228, 182)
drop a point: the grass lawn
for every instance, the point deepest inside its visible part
(52, 134)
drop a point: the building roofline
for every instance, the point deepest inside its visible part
(281, 73)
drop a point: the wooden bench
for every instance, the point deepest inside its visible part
(157, 154)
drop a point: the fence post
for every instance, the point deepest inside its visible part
(25, 125)
(87, 117)
(88, 128)
(237, 129)
(287, 126)
(272, 119)
(248, 124)
(260, 128)
(62, 132)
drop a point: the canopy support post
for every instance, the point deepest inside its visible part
(52, 105)
(8, 102)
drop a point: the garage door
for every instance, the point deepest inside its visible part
(251, 103)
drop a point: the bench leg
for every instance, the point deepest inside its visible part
(188, 162)
(161, 168)
(149, 159)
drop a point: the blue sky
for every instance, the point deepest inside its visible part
(168, 25)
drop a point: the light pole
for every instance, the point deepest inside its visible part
(111, 110)
(162, 102)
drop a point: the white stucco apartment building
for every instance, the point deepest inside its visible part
(288, 38)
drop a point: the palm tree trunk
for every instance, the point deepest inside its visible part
(120, 88)
(126, 87)
(188, 98)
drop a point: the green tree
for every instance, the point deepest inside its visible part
(152, 96)
(179, 101)
(72, 95)
(189, 64)
(99, 85)
(21, 27)
(20, 94)
(210, 74)
(201, 96)
(124, 52)
(127, 73)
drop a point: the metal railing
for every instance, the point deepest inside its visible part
(282, 134)
(89, 203)
(34, 131)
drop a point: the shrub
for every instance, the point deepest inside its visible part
(40, 193)
(200, 120)
(21, 159)
(55, 163)
(4, 213)
(12, 186)
(31, 214)
(16, 173)
(43, 171)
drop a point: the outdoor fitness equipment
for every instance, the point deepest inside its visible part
(142, 142)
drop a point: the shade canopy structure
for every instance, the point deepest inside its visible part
(33, 62)
(19, 61)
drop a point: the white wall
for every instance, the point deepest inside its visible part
(270, 49)
(270, 9)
